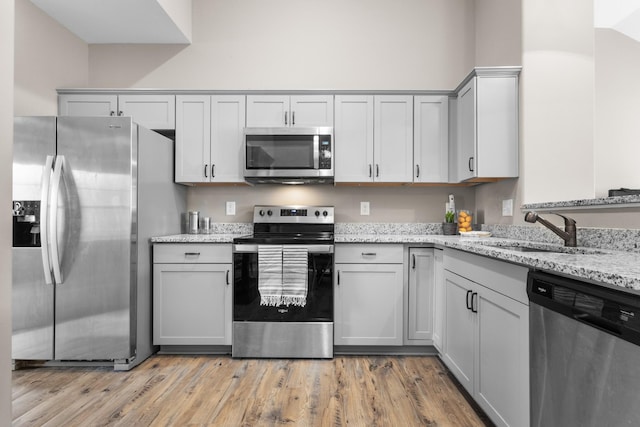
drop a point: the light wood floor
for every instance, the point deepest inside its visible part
(220, 391)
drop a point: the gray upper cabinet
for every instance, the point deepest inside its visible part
(486, 146)
(209, 138)
(149, 110)
(289, 111)
(353, 134)
(374, 138)
(431, 139)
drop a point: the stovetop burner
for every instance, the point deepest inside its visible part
(281, 225)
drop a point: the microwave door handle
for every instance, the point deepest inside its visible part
(44, 219)
(316, 152)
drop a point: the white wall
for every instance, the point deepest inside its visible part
(557, 100)
(292, 44)
(6, 138)
(617, 112)
(180, 13)
(47, 56)
(498, 33)
(387, 204)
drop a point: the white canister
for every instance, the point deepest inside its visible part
(194, 222)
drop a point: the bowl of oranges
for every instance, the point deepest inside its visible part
(465, 221)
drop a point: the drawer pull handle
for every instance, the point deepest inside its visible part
(469, 303)
(369, 254)
(338, 277)
(192, 254)
(227, 277)
(413, 261)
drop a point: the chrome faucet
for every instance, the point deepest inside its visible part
(569, 233)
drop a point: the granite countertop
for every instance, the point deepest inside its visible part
(197, 238)
(608, 267)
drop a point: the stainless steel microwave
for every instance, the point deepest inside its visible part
(288, 155)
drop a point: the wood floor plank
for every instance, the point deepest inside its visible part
(220, 391)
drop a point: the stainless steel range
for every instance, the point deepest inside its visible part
(283, 284)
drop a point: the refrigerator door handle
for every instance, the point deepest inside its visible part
(55, 256)
(44, 219)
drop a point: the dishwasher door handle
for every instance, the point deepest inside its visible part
(598, 322)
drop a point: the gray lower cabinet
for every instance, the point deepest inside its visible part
(420, 302)
(368, 295)
(192, 292)
(486, 333)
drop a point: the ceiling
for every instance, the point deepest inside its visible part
(620, 15)
(115, 21)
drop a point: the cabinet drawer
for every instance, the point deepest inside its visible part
(500, 276)
(189, 253)
(368, 253)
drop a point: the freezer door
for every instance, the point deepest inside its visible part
(32, 308)
(94, 232)
(31, 298)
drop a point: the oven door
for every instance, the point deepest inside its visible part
(246, 295)
(287, 153)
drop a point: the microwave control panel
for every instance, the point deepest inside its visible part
(325, 152)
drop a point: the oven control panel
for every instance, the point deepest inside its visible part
(293, 214)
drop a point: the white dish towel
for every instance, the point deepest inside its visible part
(270, 274)
(294, 275)
(282, 275)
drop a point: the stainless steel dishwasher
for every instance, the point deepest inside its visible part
(585, 353)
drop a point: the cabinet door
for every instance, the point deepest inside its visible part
(438, 299)
(420, 295)
(431, 139)
(192, 304)
(88, 105)
(466, 144)
(353, 134)
(227, 124)
(368, 304)
(193, 138)
(502, 365)
(150, 111)
(311, 110)
(393, 138)
(459, 324)
(268, 110)
(497, 127)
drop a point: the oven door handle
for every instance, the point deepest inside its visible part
(312, 249)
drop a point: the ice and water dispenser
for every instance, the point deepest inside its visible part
(26, 223)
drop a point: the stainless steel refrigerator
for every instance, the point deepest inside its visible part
(88, 193)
